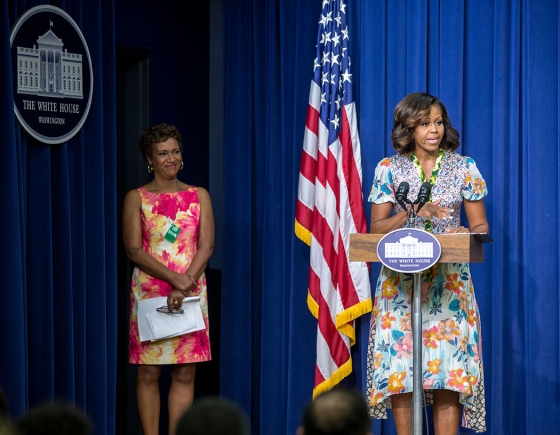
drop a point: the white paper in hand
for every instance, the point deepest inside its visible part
(147, 311)
(168, 325)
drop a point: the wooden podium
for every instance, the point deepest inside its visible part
(455, 248)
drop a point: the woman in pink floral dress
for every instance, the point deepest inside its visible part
(452, 372)
(168, 232)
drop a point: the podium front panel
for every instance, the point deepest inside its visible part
(455, 248)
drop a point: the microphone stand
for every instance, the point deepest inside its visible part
(417, 349)
(411, 215)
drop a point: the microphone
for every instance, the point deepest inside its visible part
(423, 195)
(402, 194)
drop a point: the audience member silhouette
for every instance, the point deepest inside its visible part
(54, 418)
(213, 416)
(4, 414)
(340, 411)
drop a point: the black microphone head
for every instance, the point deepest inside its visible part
(424, 193)
(402, 191)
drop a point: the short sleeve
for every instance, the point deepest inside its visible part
(382, 188)
(475, 186)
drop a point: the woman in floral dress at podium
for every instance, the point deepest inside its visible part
(452, 372)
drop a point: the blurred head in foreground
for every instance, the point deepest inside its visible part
(213, 416)
(54, 418)
(340, 411)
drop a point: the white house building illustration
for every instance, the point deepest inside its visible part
(409, 247)
(47, 70)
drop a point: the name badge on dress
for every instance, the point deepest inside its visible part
(172, 233)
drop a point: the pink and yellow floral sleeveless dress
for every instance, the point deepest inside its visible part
(158, 211)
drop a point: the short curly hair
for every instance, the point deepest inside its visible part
(157, 134)
(410, 112)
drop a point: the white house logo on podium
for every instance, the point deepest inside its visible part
(52, 74)
(408, 250)
(409, 247)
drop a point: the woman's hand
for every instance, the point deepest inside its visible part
(187, 287)
(184, 282)
(434, 210)
(175, 300)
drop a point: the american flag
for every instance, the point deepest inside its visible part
(330, 203)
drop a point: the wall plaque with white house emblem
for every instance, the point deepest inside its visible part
(408, 250)
(52, 74)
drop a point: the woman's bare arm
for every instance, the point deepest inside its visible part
(381, 220)
(476, 215)
(205, 236)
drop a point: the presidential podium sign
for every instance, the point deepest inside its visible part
(408, 250)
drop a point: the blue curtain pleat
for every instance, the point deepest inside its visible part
(106, 14)
(58, 317)
(495, 66)
(451, 60)
(504, 197)
(12, 233)
(64, 349)
(262, 91)
(237, 299)
(414, 55)
(78, 261)
(39, 241)
(539, 101)
(295, 255)
(269, 209)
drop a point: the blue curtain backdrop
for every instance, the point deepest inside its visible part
(495, 66)
(58, 232)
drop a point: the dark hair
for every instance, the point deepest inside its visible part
(157, 134)
(340, 411)
(410, 112)
(54, 418)
(213, 416)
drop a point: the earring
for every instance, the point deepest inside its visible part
(150, 169)
(182, 165)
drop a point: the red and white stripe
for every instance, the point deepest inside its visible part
(329, 209)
